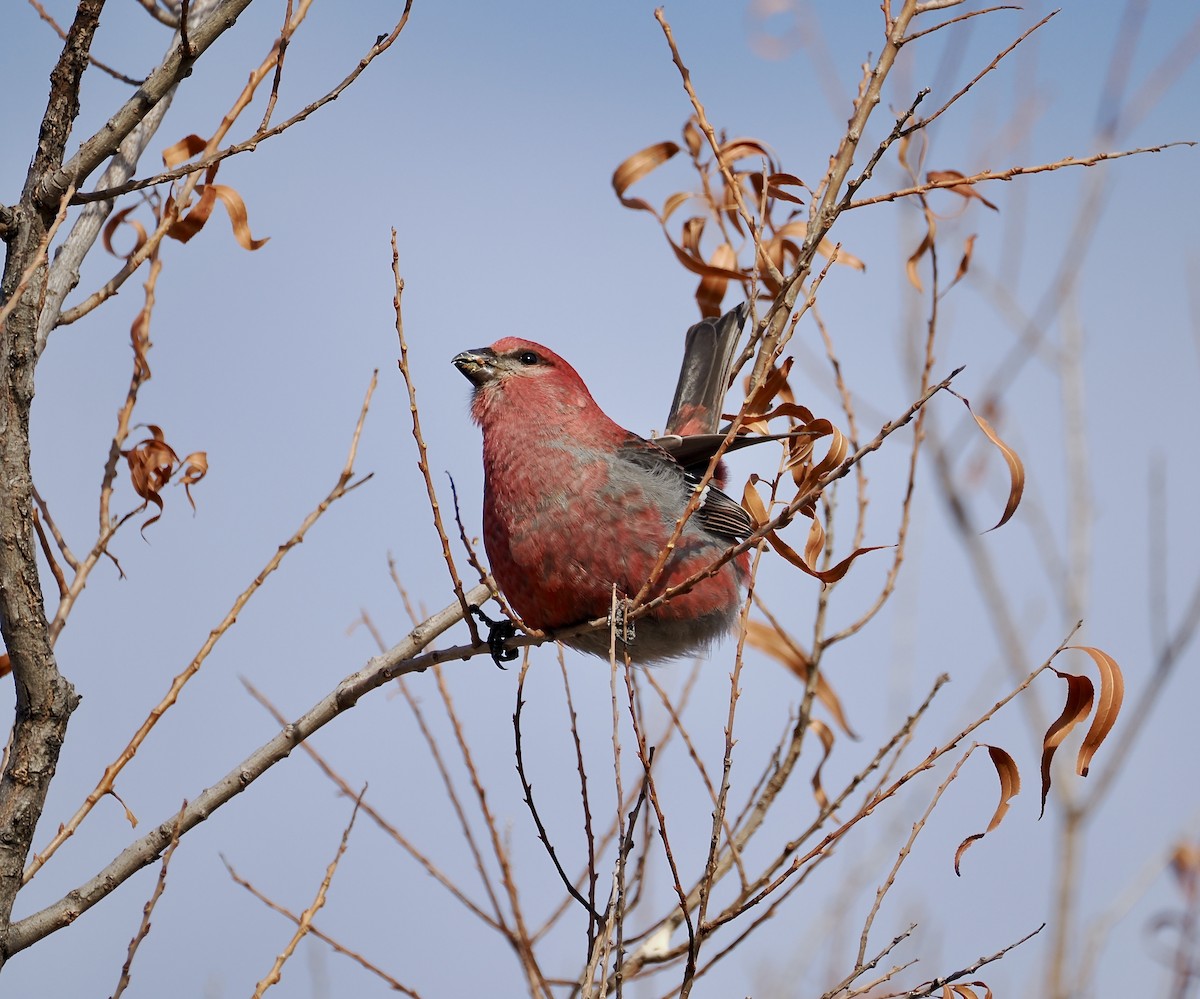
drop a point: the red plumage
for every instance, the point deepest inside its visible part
(574, 504)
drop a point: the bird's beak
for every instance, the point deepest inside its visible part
(478, 365)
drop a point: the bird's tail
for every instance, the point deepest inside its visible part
(708, 354)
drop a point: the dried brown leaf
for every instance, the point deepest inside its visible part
(792, 410)
(825, 734)
(129, 816)
(914, 278)
(122, 218)
(1077, 707)
(776, 182)
(965, 263)
(674, 201)
(965, 990)
(781, 647)
(153, 462)
(807, 476)
(753, 502)
(690, 233)
(195, 467)
(183, 150)
(194, 219)
(5, 664)
(692, 137)
(1016, 471)
(187, 225)
(636, 167)
(775, 384)
(830, 575)
(1010, 787)
(964, 190)
(827, 248)
(738, 149)
(238, 218)
(711, 289)
(1112, 693)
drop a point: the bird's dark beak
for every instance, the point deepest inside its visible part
(478, 365)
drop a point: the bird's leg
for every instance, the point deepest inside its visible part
(621, 622)
(499, 632)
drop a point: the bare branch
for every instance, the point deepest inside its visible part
(1011, 172)
(107, 781)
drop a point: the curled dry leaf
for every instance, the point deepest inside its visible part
(195, 467)
(746, 194)
(738, 149)
(1077, 707)
(825, 734)
(966, 990)
(1010, 787)
(911, 267)
(153, 462)
(812, 550)
(806, 475)
(1016, 470)
(965, 263)
(113, 224)
(636, 167)
(191, 223)
(776, 186)
(775, 384)
(1112, 694)
(834, 251)
(965, 190)
(1080, 693)
(192, 220)
(183, 150)
(781, 647)
(129, 816)
(711, 289)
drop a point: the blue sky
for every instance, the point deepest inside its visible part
(487, 138)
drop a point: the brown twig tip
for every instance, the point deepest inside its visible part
(304, 925)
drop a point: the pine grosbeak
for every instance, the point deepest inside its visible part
(574, 505)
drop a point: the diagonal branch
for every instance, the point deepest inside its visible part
(400, 659)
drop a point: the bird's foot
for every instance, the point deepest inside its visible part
(621, 624)
(499, 633)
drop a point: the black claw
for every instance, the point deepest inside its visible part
(499, 633)
(624, 628)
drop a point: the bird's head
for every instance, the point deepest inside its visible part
(522, 377)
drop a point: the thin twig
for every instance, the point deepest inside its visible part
(306, 917)
(103, 67)
(1011, 172)
(403, 658)
(937, 984)
(979, 76)
(382, 44)
(595, 919)
(105, 785)
(422, 451)
(344, 787)
(159, 886)
(319, 934)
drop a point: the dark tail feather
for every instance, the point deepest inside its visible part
(708, 354)
(695, 451)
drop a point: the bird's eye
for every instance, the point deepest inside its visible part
(528, 357)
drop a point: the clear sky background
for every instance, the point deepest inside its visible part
(487, 138)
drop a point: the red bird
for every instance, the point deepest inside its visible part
(573, 504)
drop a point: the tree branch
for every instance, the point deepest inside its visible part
(400, 659)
